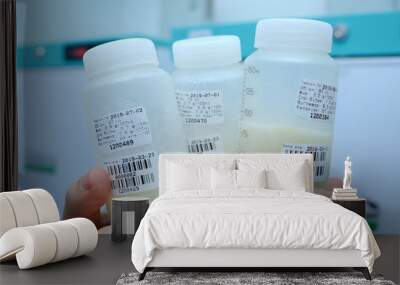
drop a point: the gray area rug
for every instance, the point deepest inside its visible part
(273, 278)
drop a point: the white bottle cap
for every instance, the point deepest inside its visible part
(120, 54)
(294, 33)
(204, 52)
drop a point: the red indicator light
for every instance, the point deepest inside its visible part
(78, 52)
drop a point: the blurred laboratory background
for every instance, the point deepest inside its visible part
(53, 35)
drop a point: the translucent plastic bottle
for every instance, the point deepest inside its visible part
(132, 113)
(208, 87)
(289, 97)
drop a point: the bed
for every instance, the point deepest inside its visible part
(245, 211)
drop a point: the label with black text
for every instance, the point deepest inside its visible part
(206, 144)
(316, 101)
(123, 129)
(200, 107)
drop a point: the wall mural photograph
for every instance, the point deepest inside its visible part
(181, 132)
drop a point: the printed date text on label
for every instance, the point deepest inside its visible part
(206, 144)
(200, 107)
(133, 173)
(123, 129)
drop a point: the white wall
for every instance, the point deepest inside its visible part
(368, 129)
(73, 20)
(251, 10)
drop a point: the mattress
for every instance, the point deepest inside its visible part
(251, 219)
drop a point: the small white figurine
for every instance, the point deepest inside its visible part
(347, 173)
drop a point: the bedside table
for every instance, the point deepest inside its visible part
(358, 206)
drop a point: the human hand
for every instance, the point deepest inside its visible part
(86, 196)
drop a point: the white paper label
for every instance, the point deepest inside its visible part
(133, 173)
(206, 144)
(320, 154)
(316, 101)
(124, 129)
(201, 107)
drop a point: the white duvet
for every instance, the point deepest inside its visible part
(250, 219)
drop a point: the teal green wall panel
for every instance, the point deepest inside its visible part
(55, 54)
(368, 35)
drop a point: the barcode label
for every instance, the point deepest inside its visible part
(130, 166)
(205, 144)
(132, 181)
(319, 170)
(133, 173)
(201, 147)
(320, 155)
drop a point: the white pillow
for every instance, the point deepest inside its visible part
(187, 177)
(281, 174)
(251, 178)
(223, 179)
(291, 179)
(193, 173)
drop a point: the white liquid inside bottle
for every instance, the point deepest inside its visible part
(289, 97)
